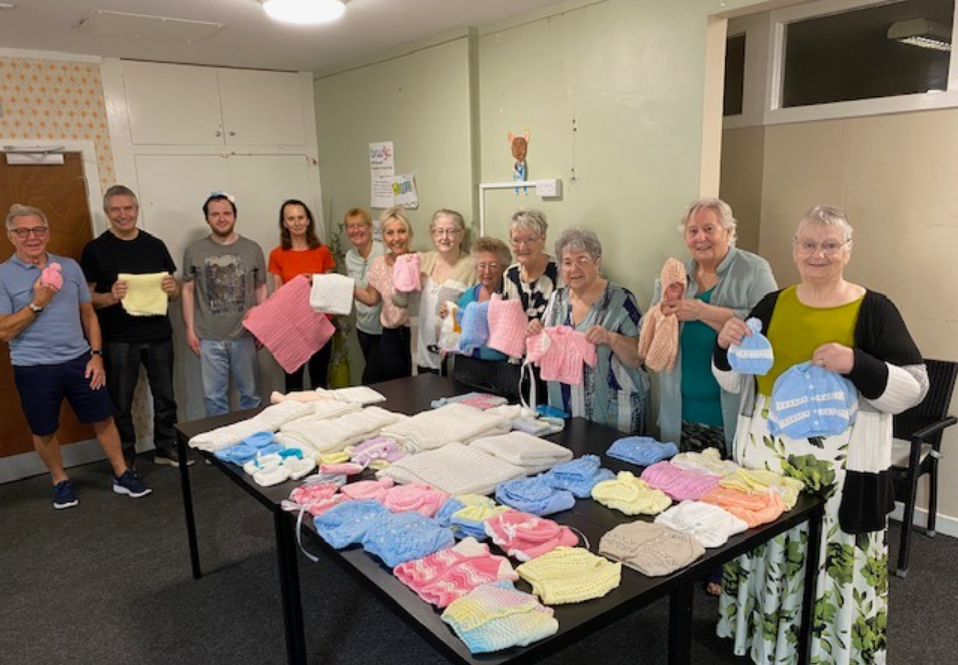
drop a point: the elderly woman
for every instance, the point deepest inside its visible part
(534, 275)
(615, 391)
(394, 344)
(723, 281)
(859, 334)
(359, 261)
(490, 256)
(447, 272)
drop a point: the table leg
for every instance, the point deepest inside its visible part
(188, 508)
(289, 587)
(813, 551)
(680, 623)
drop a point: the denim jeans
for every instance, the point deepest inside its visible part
(221, 359)
(122, 362)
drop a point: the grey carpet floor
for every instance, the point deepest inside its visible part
(109, 583)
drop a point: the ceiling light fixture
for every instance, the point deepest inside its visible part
(304, 12)
(921, 32)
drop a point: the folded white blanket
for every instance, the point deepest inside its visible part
(454, 468)
(452, 422)
(359, 395)
(269, 420)
(332, 293)
(318, 437)
(530, 452)
(300, 396)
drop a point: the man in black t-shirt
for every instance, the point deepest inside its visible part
(129, 341)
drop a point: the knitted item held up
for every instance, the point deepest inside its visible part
(659, 334)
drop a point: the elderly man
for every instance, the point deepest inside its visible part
(131, 341)
(224, 275)
(45, 310)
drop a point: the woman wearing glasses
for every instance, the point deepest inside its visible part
(723, 281)
(859, 334)
(615, 390)
(447, 272)
(534, 275)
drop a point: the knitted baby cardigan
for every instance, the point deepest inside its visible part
(347, 523)
(709, 524)
(560, 352)
(659, 335)
(641, 450)
(570, 575)
(758, 480)
(507, 326)
(752, 508)
(534, 495)
(578, 476)
(678, 483)
(630, 495)
(652, 549)
(399, 537)
(709, 461)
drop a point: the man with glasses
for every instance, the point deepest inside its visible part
(47, 316)
(131, 341)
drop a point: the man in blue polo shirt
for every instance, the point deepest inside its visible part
(44, 313)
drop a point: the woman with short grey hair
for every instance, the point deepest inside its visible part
(615, 390)
(534, 275)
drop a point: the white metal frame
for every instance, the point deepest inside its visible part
(484, 186)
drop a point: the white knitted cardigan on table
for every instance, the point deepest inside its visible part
(452, 422)
(269, 419)
(453, 468)
(321, 436)
(530, 452)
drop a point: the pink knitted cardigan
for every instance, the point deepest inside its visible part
(560, 352)
(507, 326)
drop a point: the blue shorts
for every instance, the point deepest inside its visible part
(43, 387)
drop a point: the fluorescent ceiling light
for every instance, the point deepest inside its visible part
(921, 32)
(304, 12)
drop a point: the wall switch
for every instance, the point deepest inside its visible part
(549, 189)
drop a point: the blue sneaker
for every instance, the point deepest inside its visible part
(64, 496)
(130, 485)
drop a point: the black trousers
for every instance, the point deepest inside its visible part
(373, 355)
(122, 362)
(318, 371)
(396, 353)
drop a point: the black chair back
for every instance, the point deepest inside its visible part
(942, 375)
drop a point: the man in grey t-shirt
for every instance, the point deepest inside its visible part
(224, 275)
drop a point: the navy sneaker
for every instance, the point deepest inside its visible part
(64, 496)
(130, 485)
(170, 457)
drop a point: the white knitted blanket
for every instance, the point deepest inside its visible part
(327, 435)
(530, 452)
(332, 293)
(359, 395)
(452, 422)
(269, 419)
(454, 468)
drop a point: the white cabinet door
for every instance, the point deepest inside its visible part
(261, 108)
(172, 104)
(261, 184)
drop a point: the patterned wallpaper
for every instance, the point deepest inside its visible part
(58, 101)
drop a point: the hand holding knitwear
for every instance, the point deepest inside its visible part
(808, 401)
(570, 575)
(679, 484)
(652, 549)
(405, 274)
(659, 334)
(475, 327)
(578, 476)
(707, 523)
(526, 536)
(534, 495)
(641, 450)
(754, 355)
(332, 293)
(51, 275)
(630, 495)
(399, 537)
(145, 295)
(560, 352)
(507, 326)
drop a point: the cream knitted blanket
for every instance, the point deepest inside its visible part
(454, 468)
(144, 296)
(326, 435)
(453, 422)
(269, 419)
(530, 452)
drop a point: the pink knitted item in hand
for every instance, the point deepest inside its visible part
(526, 536)
(406, 273)
(451, 573)
(507, 326)
(51, 276)
(288, 326)
(659, 335)
(418, 497)
(678, 483)
(560, 353)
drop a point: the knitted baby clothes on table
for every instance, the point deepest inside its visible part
(753, 509)
(526, 536)
(679, 484)
(362, 395)
(710, 525)
(454, 468)
(754, 355)
(652, 549)
(507, 326)
(377, 448)
(405, 275)
(347, 523)
(310, 496)
(475, 327)
(51, 275)
(560, 352)
(419, 498)
(448, 574)
(570, 575)
(428, 430)
(481, 401)
(496, 616)
(304, 396)
(641, 450)
(809, 401)
(630, 495)
(456, 503)
(332, 293)
(269, 419)
(367, 490)
(524, 450)
(399, 537)
(659, 334)
(534, 495)
(334, 434)
(761, 481)
(709, 462)
(578, 476)
(145, 295)
(470, 521)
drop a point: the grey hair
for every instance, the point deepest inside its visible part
(579, 239)
(395, 213)
(831, 216)
(456, 218)
(722, 211)
(20, 210)
(530, 220)
(119, 190)
(495, 246)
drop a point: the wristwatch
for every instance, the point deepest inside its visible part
(36, 309)
(96, 352)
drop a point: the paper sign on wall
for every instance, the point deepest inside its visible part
(381, 168)
(404, 190)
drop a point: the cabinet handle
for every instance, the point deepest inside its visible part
(219, 133)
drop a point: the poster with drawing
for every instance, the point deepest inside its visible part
(382, 166)
(404, 190)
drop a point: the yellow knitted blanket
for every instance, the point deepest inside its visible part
(145, 297)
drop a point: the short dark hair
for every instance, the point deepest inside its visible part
(217, 197)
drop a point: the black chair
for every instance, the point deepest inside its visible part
(920, 429)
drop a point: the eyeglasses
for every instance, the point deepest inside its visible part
(828, 247)
(482, 267)
(580, 262)
(39, 232)
(524, 242)
(446, 233)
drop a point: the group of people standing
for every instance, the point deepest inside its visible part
(60, 347)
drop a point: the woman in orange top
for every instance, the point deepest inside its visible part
(300, 252)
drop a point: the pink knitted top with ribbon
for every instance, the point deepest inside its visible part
(678, 483)
(560, 353)
(507, 326)
(316, 498)
(288, 326)
(421, 498)
(525, 536)
(406, 273)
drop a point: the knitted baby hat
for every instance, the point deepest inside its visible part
(678, 483)
(475, 327)
(534, 495)
(454, 504)
(808, 401)
(710, 525)
(416, 497)
(526, 536)
(641, 450)
(630, 495)
(578, 476)
(406, 273)
(752, 508)
(399, 537)
(652, 549)
(754, 354)
(470, 521)
(659, 334)
(51, 276)
(570, 575)
(507, 326)
(367, 490)
(346, 523)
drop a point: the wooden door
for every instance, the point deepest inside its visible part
(60, 191)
